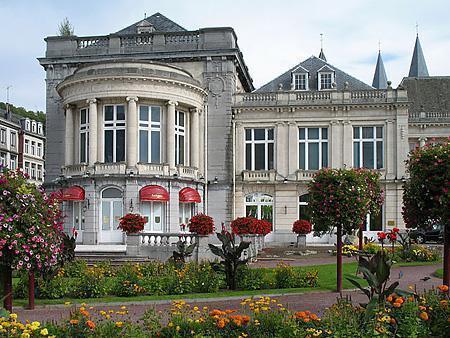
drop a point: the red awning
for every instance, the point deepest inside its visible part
(153, 193)
(74, 193)
(189, 195)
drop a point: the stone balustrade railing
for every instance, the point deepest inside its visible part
(305, 175)
(187, 172)
(75, 170)
(319, 97)
(165, 239)
(259, 175)
(110, 168)
(429, 117)
(161, 169)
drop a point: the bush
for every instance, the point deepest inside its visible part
(371, 248)
(301, 227)
(251, 279)
(91, 284)
(201, 224)
(288, 277)
(418, 253)
(250, 226)
(128, 281)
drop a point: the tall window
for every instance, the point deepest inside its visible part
(13, 140)
(154, 213)
(27, 146)
(114, 141)
(259, 145)
(39, 149)
(33, 170)
(33, 147)
(313, 148)
(3, 159)
(27, 168)
(3, 136)
(300, 81)
(84, 135)
(149, 134)
(39, 172)
(368, 147)
(259, 206)
(179, 137)
(303, 210)
(326, 79)
(13, 162)
(186, 211)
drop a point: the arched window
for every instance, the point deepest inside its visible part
(259, 206)
(303, 209)
(111, 212)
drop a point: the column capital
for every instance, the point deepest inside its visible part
(91, 101)
(292, 124)
(69, 106)
(195, 110)
(172, 103)
(132, 98)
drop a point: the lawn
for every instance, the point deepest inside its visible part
(326, 281)
(439, 273)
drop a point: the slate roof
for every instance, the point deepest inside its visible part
(428, 94)
(15, 119)
(379, 78)
(159, 22)
(418, 66)
(322, 55)
(313, 64)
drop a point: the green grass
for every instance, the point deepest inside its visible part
(326, 281)
(439, 273)
(400, 264)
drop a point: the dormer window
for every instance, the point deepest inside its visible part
(326, 78)
(145, 27)
(300, 79)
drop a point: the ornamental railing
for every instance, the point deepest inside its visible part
(110, 168)
(75, 170)
(158, 239)
(430, 117)
(161, 169)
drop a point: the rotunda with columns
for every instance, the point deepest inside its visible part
(134, 142)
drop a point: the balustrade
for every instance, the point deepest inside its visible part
(155, 239)
(110, 168)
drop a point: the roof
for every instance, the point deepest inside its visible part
(322, 55)
(379, 78)
(158, 21)
(15, 119)
(313, 65)
(428, 94)
(418, 66)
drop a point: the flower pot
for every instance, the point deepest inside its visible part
(301, 242)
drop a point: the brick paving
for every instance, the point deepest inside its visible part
(313, 301)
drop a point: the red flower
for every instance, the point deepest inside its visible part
(132, 223)
(392, 236)
(381, 236)
(201, 224)
(250, 226)
(396, 230)
(301, 227)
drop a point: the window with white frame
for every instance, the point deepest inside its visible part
(13, 162)
(326, 80)
(27, 125)
(3, 136)
(312, 148)
(33, 170)
(3, 159)
(114, 133)
(179, 137)
(33, 127)
(300, 81)
(186, 211)
(368, 147)
(33, 147)
(27, 146)
(39, 172)
(39, 149)
(303, 209)
(259, 206)
(27, 168)
(13, 139)
(84, 135)
(154, 214)
(259, 149)
(40, 132)
(149, 134)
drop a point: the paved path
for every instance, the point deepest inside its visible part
(313, 301)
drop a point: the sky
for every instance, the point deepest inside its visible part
(273, 35)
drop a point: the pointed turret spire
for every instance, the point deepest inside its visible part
(379, 78)
(322, 54)
(418, 66)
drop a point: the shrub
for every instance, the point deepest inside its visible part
(251, 279)
(128, 281)
(301, 227)
(244, 226)
(371, 248)
(288, 277)
(91, 284)
(201, 224)
(132, 223)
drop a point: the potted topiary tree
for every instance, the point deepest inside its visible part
(301, 227)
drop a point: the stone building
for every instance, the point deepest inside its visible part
(163, 121)
(22, 144)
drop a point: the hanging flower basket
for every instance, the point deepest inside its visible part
(201, 224)
(251, 226)
(132, 223)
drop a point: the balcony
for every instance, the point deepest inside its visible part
(75, 170)
(305, 175)
(110, 168)
(429, 117)
(187, 172)
(259, 176)
(161, 169)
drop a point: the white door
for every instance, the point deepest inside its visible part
(78, 220)
(373, 226)
(111, 210)
(154, 213)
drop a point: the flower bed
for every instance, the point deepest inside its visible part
(251, 226)
(201, 224)
(413, 315)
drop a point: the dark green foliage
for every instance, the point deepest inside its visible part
(183, 252)
(34, 115)
(230, 253)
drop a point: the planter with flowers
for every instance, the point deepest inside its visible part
(301, 227)
(132, 224)
(252, 230)
(203, 226)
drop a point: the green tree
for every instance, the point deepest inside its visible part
(341, 199)
(426, 195)
(66, 28)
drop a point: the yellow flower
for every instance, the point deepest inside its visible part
(119, 324)
(67, 303)
(123, 307)
(25, 335)
(44, 332)
(13, 316)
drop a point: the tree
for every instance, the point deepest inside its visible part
(426, 195)
(66, 28)
(31, 234)
(341, 199)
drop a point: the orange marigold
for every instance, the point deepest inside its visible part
(389, 299)
(396, 304)
(423, 315)
(221, 324)
(90, 324)
(300, 314)
(399, 300)
(314, 316)
(74, 321)
(443, 288)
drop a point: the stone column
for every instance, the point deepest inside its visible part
(132, 132)
(281, 144)
(240, 148)
(69, 137)
(335, 138)
(201, 128)
(194, 132)
(347, 144)
(293, 148)
(170, 133)
(92, 131)
(390, 147)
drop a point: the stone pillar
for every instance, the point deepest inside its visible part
(92, 131)
(293, 147)
(69, 137)
(281, 144)
(194, 132)
(390, 147)
(170, 132)
(132, 132)
(201, 128)
(422, 141)
(335, 138)
(347, 144)
(239, 148)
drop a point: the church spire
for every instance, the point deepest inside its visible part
(379, 78)
(322, 54)
(418, 66)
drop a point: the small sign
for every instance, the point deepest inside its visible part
(391, 223)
